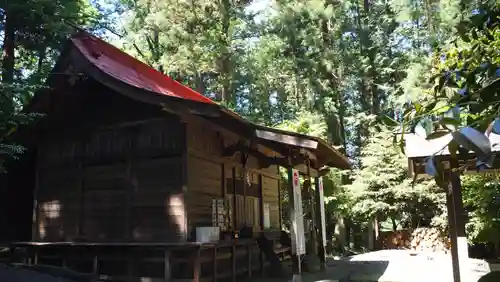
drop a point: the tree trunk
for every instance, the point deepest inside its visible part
(41, 59)
(394, 224)
(224, 61)
(8, 59)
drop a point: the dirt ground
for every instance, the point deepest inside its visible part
(391, 266)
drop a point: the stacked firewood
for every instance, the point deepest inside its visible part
(419, 240)
(429, 240)
(394, 240)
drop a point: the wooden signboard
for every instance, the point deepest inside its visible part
(322, 209)
(298, 237)
(267, 216)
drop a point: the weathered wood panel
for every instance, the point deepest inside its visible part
(105, 192)
(204, 139)
(160, 139)
(157, 204)
(204, 185)
(159, 174)
(252, 162)
(126, 170)
(270, 194)
(112, 145)
(58, 205)
(58, 152)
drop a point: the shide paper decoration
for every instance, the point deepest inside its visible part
(466, 138)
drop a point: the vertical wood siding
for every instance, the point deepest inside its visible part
(113, 184)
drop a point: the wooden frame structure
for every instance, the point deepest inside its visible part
(418, 150)
(128, 164)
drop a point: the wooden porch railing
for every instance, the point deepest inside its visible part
(152, 262)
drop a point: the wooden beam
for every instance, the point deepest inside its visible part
(286, 139)
(264, 160)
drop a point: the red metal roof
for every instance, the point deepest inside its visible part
(124, 67)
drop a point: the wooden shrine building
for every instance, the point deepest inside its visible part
(127, 159)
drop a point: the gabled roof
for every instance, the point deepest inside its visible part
(126, 68)
(135, 79)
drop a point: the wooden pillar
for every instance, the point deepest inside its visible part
(35, 228)
(261, 202)
(458, 207)
(197, 265)
(312, 209)
(244, 158)
(234, 200)
(296, 271)
(319, 219)
(167, 273)
(456, 222)
(453, 237)
(280, 212)
(132, 186)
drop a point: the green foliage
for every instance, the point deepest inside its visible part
(306, 123)
(33, 33)
(465, 75)
(481, 195)
(381, 187)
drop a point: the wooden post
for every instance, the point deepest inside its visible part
(321, 239)
(296, 271)
(261, 203)
(167, 275)
(249, 250)
(233, 172)
(244, 178)
(35, 256)
(197, 265)
(453, 237)
(280, 218)
(95, 264)
(35, 228)
(456, 222)
(131, 188)
(215, 264)
(312, 209)
(63, 257)
(233, 261)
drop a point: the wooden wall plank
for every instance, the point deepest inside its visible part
(204, 185)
